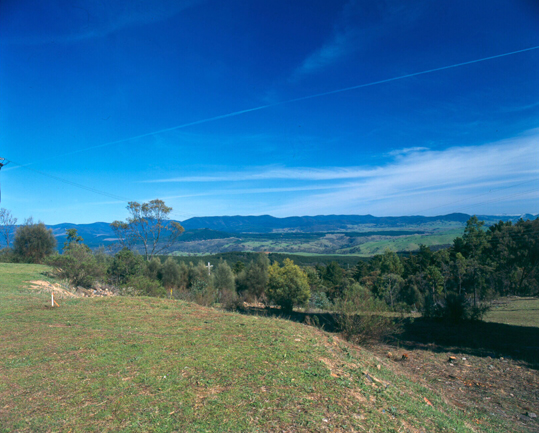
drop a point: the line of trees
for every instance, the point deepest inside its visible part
(130, 273)
(455, 282)
(481, 265)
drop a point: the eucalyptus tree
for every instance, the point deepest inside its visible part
(148, 226)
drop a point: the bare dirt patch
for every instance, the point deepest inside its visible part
(63, 291)
(499, 386)
(55, 288)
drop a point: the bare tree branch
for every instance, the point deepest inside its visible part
(7, 225)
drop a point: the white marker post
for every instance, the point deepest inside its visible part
(209, 267)
(52, 299)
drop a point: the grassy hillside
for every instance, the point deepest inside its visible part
(146, 364)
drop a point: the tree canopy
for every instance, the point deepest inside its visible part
(288, 285)
(33, 242)
(148, 226)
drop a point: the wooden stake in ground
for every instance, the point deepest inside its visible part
(53, 302)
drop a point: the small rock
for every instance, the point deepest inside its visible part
(524, 418)
(531, 415)
(464, 359)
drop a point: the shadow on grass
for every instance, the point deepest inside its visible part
(474, 338)
(325, 321)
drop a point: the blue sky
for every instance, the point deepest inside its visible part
(259, 107)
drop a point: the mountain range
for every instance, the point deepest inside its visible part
(222, 227)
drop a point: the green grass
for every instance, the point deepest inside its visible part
(146, 364)
(516, 311)
(365, 242)
(410, 243)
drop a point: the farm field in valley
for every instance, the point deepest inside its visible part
(364, 243)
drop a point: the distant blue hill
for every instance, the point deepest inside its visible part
(219, 227)
(321, 223)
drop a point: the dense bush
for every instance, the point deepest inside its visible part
(145, 286)
(231, 301)
(450, 284)
(124, 266)
(171, 274)
(223, 278)
(33, 242)
(78, 265)
(253, 280)
(7, 256)
(361, 317)
(455, 308)
(153, 268)
(288, 285)
(319, 301)
(203, 293)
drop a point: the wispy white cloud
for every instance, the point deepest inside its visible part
(358, 23)
(406, 151)
(518, 108)
(417, 166)
(243, 191)
(501, 176)
(261, 173)
(457, 179)
(332, 51)
(93, 20)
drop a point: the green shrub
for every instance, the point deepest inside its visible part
(360, 317)
(413, 297)
(78, 265)
(455, 308)
(203, 293)
(223, 278)
(7, 256)
(231, 301)
(432, 309)
(253, 280)
(319, 301)
(144, 286)
(153, 268)
(288, 286)
(171, 274)
(33, 242)
(124, 266)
